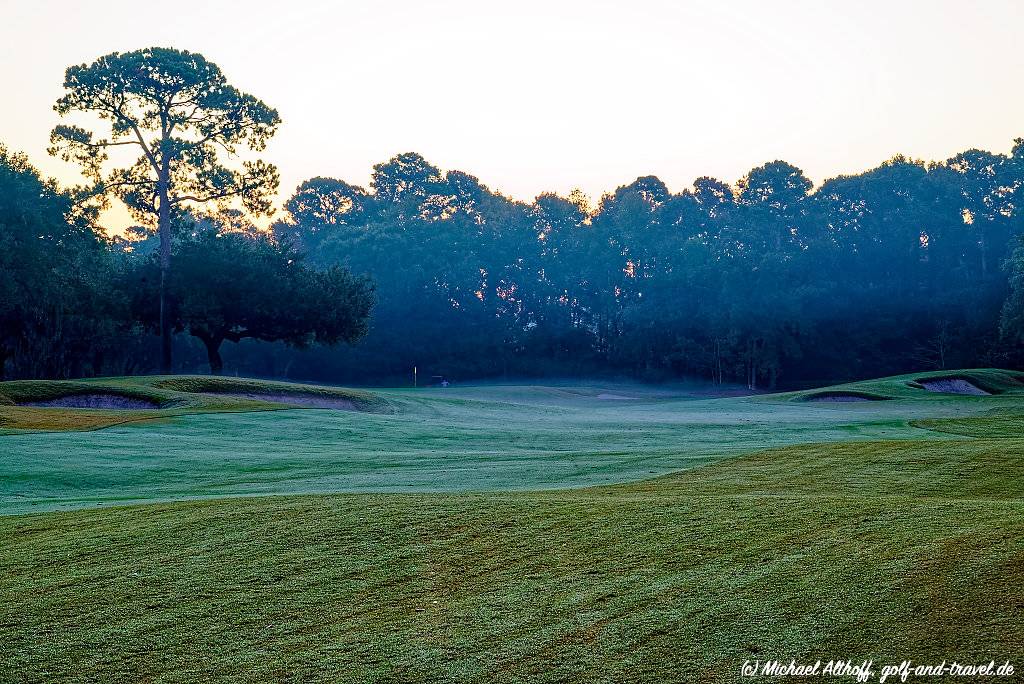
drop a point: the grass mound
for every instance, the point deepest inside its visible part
(299, 399)
(314, 396)
(996, 424)
(47, 392)
(992, 381)
(58, 405)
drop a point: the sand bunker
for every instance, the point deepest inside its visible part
(303, 400)
(953, 386)
(95, 401)
(838, 397)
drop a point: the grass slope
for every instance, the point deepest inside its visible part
(175, 396)
(884, 550)
(993, 380)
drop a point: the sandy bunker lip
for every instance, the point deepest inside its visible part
(610, 396)
(952, 386)
(303, 400)
(840, 397)
(95, 401)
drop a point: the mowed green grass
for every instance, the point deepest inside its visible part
(460, 439)
(886, 530)
(884, 550)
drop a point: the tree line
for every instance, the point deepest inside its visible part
(768, 281)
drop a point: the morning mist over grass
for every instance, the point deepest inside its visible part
(475, 342)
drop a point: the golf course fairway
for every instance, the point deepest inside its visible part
(562, 533)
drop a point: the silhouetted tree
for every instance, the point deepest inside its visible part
(234, 282)
(1012, 319)
(177, 110)
(769, 282)
(320, 207)
(54, 274)
(758, 282)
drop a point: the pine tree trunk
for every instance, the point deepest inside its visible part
(164, 231)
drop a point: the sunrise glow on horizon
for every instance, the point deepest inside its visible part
(562, 95)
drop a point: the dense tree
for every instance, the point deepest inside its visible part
(233, 282)
(769, 282)
(1012, 320)
(322, 207)
(177, 111)
(766, 282)
(54, 309)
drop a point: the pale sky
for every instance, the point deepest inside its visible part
(549, 95)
